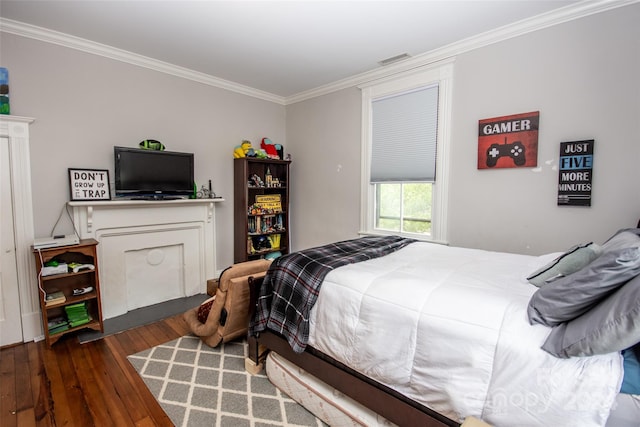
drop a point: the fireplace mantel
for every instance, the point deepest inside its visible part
(149, 251)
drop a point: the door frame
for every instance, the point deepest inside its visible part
(16, 129)
(11, 321)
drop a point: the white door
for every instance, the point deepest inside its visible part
(10, 323)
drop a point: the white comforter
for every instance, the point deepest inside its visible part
(448, 327)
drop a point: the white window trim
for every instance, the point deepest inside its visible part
(441, 74)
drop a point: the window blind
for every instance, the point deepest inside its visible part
(404, 131)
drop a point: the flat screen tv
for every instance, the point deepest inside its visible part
(152, 174)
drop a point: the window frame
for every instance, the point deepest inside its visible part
(442, 75)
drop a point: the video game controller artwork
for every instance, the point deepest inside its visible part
(508, 141)
(514, 150)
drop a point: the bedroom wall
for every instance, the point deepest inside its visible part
(85, 104)
(580, 75)
(583, 78)
(324, 141)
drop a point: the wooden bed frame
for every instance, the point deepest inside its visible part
(381, 399)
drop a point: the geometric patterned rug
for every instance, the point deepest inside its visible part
(197, 385)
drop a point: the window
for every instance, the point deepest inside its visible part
(403, 207)
(404, 154)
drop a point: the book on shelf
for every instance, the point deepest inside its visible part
(54, 322)
(72, 317)
(269, 223)
(77, 314)
(59, 329)
(77, 309)
(79, 306)
(57, 324)
(272, 203)
(54, 297)
(79, 322)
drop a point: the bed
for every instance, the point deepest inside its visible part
(431, 335)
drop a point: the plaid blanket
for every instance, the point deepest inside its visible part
(292, 283)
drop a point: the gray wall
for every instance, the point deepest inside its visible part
(583, 78)
(323, 137)
(85, 104)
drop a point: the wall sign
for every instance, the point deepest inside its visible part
(575, 172)
(89, 184)
(508, 141)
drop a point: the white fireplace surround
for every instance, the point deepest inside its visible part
(149, 251)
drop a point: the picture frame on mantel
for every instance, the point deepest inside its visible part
(89, 184)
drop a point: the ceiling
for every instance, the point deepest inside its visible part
(281, 48)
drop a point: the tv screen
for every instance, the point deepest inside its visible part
(156, 174)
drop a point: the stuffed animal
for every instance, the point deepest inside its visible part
(243, 150)
(270, 148)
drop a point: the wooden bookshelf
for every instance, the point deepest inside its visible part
(261, 208)
(83, 253)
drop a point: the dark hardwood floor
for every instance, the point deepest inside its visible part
(73, 384)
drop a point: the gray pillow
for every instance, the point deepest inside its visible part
(626, 238)
(610, 326)
(569, 262)
(571, 296)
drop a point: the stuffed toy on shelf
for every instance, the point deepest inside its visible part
(274, 151)
(246, 150)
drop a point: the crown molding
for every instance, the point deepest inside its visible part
(66, 40)
(545, 20)
(448, 52)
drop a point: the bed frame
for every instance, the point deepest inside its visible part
(381, 399)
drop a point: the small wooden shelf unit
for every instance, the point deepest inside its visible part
(83, 253)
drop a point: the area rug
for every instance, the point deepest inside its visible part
(197, 385)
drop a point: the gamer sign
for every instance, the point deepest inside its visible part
(508, 141)
(89, 184)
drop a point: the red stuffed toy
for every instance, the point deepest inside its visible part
(270, 148)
